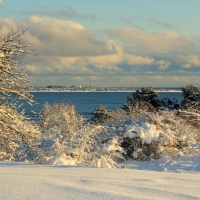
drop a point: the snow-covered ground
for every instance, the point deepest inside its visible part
(141, 180)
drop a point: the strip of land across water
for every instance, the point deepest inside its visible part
(97, 89)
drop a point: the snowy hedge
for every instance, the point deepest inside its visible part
(19, 138)
(68, 139)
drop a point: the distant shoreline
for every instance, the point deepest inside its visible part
(54, 90)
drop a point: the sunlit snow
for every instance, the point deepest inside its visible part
(21, 181)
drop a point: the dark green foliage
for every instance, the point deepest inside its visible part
(190, 93)
(145, 94)
(145, 152)
(101, 114)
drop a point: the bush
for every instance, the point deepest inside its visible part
(143, 134)
(146, 94)
(155, 134)
(19, 138)
(101, 114)
(68, 139)
(166, 102)
(191, 95)
(63, 116)
(148, 98)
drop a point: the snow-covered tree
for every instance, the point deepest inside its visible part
(13, 79)
(17, 134)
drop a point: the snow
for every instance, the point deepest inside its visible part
(63, 160)
(111, 146)
(147, 132)
(142, 180)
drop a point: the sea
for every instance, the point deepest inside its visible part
(85, 102)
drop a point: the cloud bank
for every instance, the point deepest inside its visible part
(69, 54)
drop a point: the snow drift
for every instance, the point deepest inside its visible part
(20, 181)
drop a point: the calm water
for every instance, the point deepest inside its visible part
(86, 102)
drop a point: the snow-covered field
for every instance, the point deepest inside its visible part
(139, 181)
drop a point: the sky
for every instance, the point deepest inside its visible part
(109, 43)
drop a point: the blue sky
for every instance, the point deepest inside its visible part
(109, 43)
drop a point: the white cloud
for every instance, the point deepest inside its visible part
(151, 43)
(93, 78)
(52, 36)
(50, 22)
(189, 60)
(163, 65)
(68, 48)
(186, 66)
(137, 60)
(78, 79)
